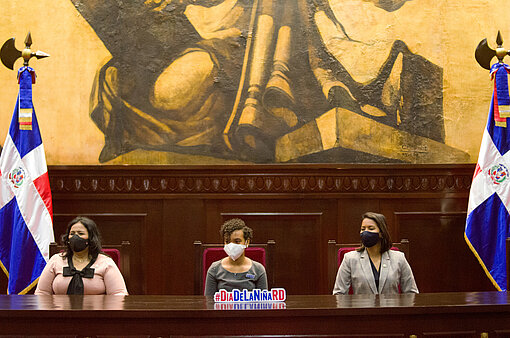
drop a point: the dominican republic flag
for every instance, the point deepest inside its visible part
(26, 213)
(488, 219)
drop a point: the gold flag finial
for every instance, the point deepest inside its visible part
(484, 54)
(9, 53)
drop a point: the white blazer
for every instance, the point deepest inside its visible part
(356, 271)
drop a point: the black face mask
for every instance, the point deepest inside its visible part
(78, 244)
(369, 239)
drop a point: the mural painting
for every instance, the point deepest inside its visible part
(254, 80)
(267, 81)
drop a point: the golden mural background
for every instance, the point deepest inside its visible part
(444, 33)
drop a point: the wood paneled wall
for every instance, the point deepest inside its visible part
(162, 210)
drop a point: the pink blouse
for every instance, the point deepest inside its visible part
(107, 278)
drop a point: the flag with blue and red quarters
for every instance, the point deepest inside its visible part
(488, 215)
(26, 214)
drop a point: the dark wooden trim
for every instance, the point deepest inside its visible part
(261, 179)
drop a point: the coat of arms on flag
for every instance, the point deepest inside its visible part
(26, 226)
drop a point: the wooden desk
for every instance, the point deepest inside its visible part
(437, 314)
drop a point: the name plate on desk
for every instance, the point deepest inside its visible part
(255, 295)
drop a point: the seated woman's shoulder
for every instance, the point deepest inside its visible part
(58, 256)
(105, 261)
(214, 265)
(396, 254)
(104, 258)
(258, 266)
(352, 254)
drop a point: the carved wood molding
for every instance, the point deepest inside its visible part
(261, 179)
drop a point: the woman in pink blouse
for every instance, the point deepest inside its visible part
(82, 268)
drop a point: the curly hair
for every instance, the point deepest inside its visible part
(232, 225)
(380, 220)
(94, 236)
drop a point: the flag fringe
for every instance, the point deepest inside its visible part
(4, 269)
(481, 263)
(25, 290)
(6, 273)
(28, 288)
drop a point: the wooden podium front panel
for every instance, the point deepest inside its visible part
(437, 314)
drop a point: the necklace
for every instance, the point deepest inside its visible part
(80, 260)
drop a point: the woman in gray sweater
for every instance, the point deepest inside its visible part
(236, 271)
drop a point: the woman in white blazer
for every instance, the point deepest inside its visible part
(373, 268)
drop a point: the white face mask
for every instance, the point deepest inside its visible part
(234, 250)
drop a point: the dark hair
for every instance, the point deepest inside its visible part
(235, 224)
(380, 220)
(94, 236)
